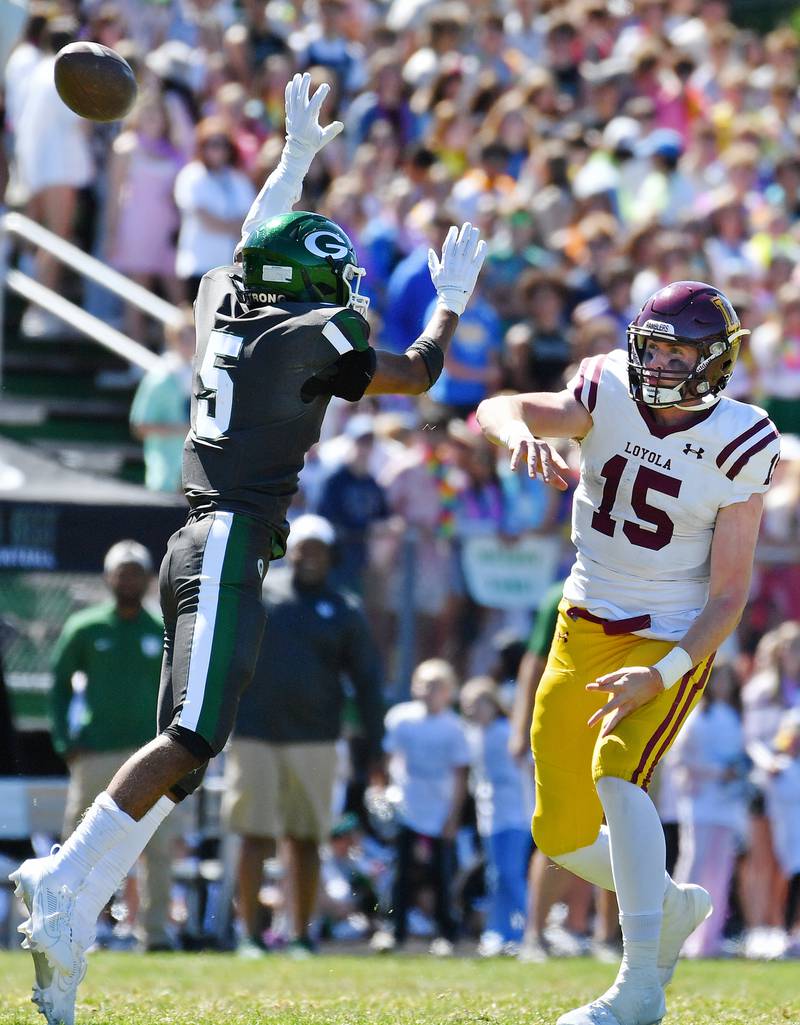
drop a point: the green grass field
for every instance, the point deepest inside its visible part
(130, 989)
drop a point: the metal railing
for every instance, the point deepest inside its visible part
(89, 267)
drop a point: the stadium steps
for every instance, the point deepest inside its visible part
(70, 397)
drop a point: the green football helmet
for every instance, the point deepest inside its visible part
(302, 257)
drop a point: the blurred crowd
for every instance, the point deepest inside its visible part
(604, 149)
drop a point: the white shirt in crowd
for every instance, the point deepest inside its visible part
(783, 808)
(425, 750)
(225, 193)
(712, 741)
(51, 143)
(504, 795)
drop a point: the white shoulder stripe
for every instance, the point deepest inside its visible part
(336, 338)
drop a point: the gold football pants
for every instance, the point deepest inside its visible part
(569, 755)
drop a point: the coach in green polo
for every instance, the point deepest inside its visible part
(106, 668)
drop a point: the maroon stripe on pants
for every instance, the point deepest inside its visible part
(663, 725)
(679, 721)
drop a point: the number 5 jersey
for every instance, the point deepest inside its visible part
(644, 511)
(263, 379)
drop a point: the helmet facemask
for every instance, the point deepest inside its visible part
(355, 300)
(716, 358)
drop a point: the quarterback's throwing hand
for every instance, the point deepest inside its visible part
(454, 276)
(631, 688)
(302, 114)
(541, 457)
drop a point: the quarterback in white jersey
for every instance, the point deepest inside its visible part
(665, 523)
(645, 507)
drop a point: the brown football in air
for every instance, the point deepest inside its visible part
(94, 81)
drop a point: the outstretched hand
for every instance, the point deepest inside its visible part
(540, 456)
(632, 687)
(454, 276)
(302, 114)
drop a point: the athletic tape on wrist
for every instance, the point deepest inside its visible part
(432, 357)
(673, 666)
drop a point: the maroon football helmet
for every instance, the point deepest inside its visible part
(689, 313)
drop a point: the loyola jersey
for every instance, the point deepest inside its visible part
(262, 382)
(644, 511)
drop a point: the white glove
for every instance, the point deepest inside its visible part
(303, 130)
(455, 275)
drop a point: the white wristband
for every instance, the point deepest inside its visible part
(673, 666)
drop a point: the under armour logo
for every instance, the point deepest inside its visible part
(697, 451)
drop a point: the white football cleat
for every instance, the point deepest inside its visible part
(23, 890)
(63, 990)
(625, 1003)
(684, 909)
(48, 931)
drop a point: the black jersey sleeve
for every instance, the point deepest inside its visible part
(351, 371)
(347, 378)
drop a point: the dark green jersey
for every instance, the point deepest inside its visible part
(263, 379)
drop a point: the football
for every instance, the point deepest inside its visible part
(94, 81)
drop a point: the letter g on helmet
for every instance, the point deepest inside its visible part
(307, 257)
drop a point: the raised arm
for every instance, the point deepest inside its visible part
(519, 421)
(454, 276)
(304, 139)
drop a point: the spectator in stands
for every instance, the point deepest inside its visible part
(783, 808)
(473, 360)
(348, 893)
(503, 789)
(282, 758)
(159, 414)
(766, 696)
(106, 670)
(141, 216)
(53, 162)
(538, 348)
(429, 762)
(711, 772)
(324, 42)
(354, 502)
(213, 198)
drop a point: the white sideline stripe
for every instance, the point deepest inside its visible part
(336, 338)
(205, 618)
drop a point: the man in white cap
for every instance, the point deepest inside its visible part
(282, 761)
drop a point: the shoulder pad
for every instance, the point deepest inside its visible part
(586, 379)
(347, 330)
(749, 459)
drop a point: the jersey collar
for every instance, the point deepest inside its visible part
(659, 430)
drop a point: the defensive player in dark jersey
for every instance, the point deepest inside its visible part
(279, 332)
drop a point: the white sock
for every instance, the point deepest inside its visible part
(638, 857)
(115, 864)
(592, 863)
(102, 827)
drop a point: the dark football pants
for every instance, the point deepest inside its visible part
(210, 583)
